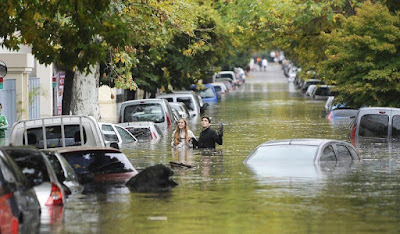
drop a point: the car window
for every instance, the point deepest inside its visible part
(53, 136)
(111, 136)
(140, 133)
(396, 126)
(283, 153)
(187, 101)
(152, 112)
(56, 166)
(107, 127)
(126, 137)
(98, 162)
(7, 173)
(328, 154)
(343, 153)
(323, 91)
(374, 125)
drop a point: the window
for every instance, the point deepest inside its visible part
(187, 101)
(328, 154)
(140, 133)
(7, 173)
(106, 127)
(126, 137)
(207, 93)
(343, 153)
(396, 127)
(110, 136)
(374, 125)
(53, 136)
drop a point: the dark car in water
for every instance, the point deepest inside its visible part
(19, 206)
(99, 164)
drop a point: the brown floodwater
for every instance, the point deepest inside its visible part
(222, 195)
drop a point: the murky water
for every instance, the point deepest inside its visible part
(222, 195)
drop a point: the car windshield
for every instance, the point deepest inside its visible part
(98, 162)
(152, 112)
(187, 101)
(226, 75)
(140, 133)
(207, 93)
(276, 153)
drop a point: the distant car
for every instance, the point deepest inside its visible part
(376, 124)
(19, 206)
(228, 82)
(64, 172)
(309, 82)
(208, 93)
(342, 111)
(220, 87)
(231, 75)
(189, 98)
(329, 104)
(118, 134)
(144, 131)
(99, 165)
(310, 91)
(303, 150)
(154, 110)
(181, 108)
(322, 92)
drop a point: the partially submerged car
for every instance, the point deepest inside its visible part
(19, 206)
(207, 93)
(154, 110)
(117, 134)
(189, 98)
(98, 164)
(376, 124)
(303, 150)
(181, 109)
(143, 131)
(57, 131)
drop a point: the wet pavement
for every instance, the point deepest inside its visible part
(220, 194)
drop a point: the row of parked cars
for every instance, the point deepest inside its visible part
(50, 159)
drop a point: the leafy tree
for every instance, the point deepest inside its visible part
(363, 57)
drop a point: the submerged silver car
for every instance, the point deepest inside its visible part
(303, 150)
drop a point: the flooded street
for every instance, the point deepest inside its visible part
(221, 195)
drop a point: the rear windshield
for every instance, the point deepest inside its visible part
(345, 112)
(98, 162)
(152, 112)
(323, 92)
(374, 125)
(275, 153)
(207, 93)
(187, 101)
(226, 75)
(53, 136)
(140, 133)
(31, 164)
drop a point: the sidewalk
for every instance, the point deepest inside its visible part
(274, 74)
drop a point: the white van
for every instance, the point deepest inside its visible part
(189, 98)
(57, 131)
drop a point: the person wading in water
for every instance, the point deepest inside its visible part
(208, 137)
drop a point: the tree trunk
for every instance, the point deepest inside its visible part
(67, 94)
(85, 94)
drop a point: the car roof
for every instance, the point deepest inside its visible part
(86, 148)
(300, 141)
(379, 108)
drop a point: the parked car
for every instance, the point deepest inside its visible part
(220, 88)
(231, 75)
(189, 98)
(144, 131)
(208, 94)
(118, 134)
(310, 91)
(64, 172)
(303, 150)
(329, 104)
(342, 111)
(228, 82)
(98, 164)
(309, 82)
(19, 206)
(154, 110)
(322, 92)
(40, 174)
(376, 124)
(57, 131)
(181, 108)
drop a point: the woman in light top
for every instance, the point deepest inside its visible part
(182, 136)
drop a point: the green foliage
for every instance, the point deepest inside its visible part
(364, 59)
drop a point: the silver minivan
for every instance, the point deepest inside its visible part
(189, 98)
(154, 110)
(377, 124)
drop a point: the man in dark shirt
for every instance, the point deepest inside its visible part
(208, 137)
